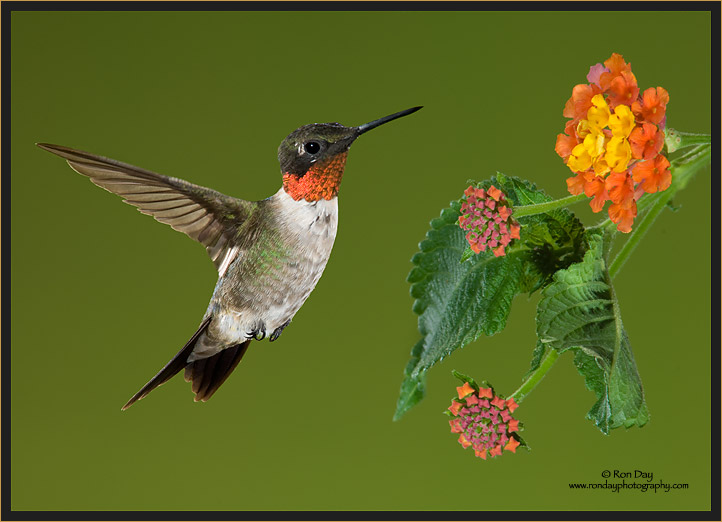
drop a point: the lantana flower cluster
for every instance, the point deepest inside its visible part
(484, 421)
(614, 139)
(486, 216)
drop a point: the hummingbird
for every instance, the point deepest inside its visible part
(269, 254)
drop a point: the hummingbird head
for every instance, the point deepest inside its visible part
(313, 157)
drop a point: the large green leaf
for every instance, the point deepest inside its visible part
(460, 296)
(412, 387)
(579, 311)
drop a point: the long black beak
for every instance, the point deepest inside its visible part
(372, 125)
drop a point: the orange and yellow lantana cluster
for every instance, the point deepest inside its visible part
(614, 139)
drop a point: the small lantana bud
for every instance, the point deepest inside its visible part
(512, 445)
(464, 390)
(486, 216)
(455, 407)
(484, 421)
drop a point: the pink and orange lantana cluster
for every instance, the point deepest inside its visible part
(614, 139)
(486, 216)
(484, 421)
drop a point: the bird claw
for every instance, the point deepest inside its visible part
(277, 332)
(259, 333)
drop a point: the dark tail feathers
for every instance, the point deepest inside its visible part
(207, 374)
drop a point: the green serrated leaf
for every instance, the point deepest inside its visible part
(595, 380)
(468, 254)
(470, 299)
(536, 358)
(458, 301)
(412, 388)
(579, 311)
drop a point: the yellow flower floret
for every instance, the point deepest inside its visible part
(618, 153)
(622, 121)
(594, 142)
(597, 150)
(598, 115)
(579, 160)
(601, 165)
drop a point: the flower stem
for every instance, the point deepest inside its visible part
(535, 378)
(685, 169)
(541, 208)
(682, 175)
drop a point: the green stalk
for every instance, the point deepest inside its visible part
(682, 175)
(535, 378)
(685, 169)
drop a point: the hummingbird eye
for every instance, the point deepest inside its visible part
(312, 147)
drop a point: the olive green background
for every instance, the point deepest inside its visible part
(102, 296)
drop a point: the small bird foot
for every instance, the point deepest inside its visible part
(277, 332)
(258, 333)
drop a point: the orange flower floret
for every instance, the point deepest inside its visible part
(653, 175)
(485, 393)
(580, 101)
(498, 402)
(511, 404)
(512, 445)
(575, 184)
(623, 90)
(616, 66)
(494, 192)
(456, 426)
(620, 187)
(653, 105)
(623, 214)
(455, 407)
(462, 440)
(646, 141)
(594, 188)
(464, 390)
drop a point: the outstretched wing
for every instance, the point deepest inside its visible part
(205, 215)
